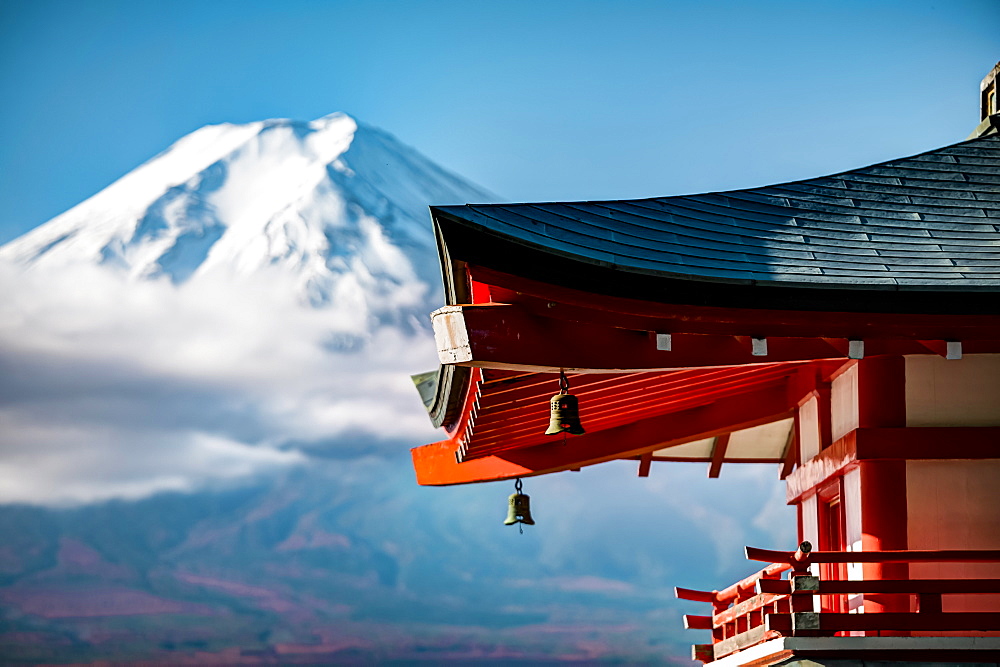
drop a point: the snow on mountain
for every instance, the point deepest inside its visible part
(338, 205)
(253, 298)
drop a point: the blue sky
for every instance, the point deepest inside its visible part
(534, 100)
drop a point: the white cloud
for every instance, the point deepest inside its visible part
(114, 388)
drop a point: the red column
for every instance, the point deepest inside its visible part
(882, 403)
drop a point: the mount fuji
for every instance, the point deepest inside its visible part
(254, 295)
(338, 207)
(205, 417)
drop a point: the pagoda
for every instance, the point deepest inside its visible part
(845, 329)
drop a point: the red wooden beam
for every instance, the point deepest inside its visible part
(949, 622)
(897, 556)
(524, 426)
(833, 460)
(718, 454)
(695, 622)
(928, 443)
(435, 464)
(893, 444)
(514, 434)
(747, 585)
(910, 586)
(665, 317)
(510, 337)
(791, 454)
(644, 463)
(742, 609)
(621, 394)
(693, 595)
(702, 652)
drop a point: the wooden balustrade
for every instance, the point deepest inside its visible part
(763, 606)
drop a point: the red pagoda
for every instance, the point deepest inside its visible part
(844, 328)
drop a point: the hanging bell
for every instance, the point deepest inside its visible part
(564, 415)
(518, 508)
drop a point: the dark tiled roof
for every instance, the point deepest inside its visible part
(931, 221)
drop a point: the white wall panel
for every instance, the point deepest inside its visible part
(953, 392)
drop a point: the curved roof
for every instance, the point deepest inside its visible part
(927, 222)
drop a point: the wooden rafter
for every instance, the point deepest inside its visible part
(718, 454)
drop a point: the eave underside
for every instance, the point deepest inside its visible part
(716, 416)
(712, 394)
(693, 326)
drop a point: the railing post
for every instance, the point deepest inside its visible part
(804, 620)
(720, 633)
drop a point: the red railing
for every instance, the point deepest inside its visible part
(764, 606)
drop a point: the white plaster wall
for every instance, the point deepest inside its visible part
(766, 441)
(844, 403)
(810, 521)
(809, 430)
(955, 505)
(699, 449)
(953, 392)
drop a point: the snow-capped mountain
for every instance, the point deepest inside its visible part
(338, 205)
(206, 410)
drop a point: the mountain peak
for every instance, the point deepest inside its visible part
(337, 205)
(335, 117)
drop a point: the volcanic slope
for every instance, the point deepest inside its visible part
(338, 205)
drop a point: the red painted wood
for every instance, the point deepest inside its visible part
(669, 318)
(718, 455)
(702, 652)
(909, 586)
(619, 396)
(693, 595)
(938, 347)
(950, 622)
(471, 394)
(742, 609)
(791, 450)
(888, 444)
(480, 292)
(644, 463)
(928, 443)
(882, 403)
(883, 527)
(748, 585)
(896, 556)
(510, 337)
(694, 622)
(435, 464)
(616, 401)
(882, 392)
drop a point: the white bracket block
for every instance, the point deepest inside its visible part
(451, 334)
(954, 349)
(758, 347)
(855, 349)
(663, 342)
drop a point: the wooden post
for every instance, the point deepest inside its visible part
(882, 403)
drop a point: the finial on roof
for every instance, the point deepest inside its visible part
(989, 111)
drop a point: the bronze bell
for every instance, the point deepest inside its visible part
(564, 415)
(519, 509)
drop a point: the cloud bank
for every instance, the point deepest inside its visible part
(121, 389)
